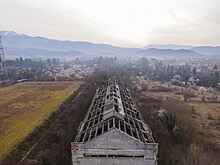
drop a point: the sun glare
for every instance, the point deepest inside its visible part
(126, 20)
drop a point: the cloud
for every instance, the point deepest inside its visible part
(194, 33)
(118, 22)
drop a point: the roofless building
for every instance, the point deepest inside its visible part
(113, 131)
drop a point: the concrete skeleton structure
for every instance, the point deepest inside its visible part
(113, 131)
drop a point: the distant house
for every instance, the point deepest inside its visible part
(113, 131)
(21, 80)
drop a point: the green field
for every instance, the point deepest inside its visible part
(24, 106)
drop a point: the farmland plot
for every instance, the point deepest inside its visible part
(24, 106)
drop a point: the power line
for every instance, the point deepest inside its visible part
(3, 71)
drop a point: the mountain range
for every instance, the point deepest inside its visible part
(16, 45)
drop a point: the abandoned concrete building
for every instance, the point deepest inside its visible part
(113, 131)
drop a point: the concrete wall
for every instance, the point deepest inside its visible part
(121, 149)
(115, 139)
(115, 161)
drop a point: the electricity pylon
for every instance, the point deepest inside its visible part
(2, 58)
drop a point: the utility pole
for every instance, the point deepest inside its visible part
(2, 58)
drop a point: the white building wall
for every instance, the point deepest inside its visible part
(114, 142)
(116, 161)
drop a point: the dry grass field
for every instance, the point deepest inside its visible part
(205, 114)
(194, 122)
(24, 106)
(207, 117)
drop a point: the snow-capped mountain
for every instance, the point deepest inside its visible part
(8, 33)
(24, 45)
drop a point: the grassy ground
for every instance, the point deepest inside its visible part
(195, 139)
(24, 106)
(204, 114)
(207, 118)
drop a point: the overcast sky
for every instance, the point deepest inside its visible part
(127, 23)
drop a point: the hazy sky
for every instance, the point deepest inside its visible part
(119, 22)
